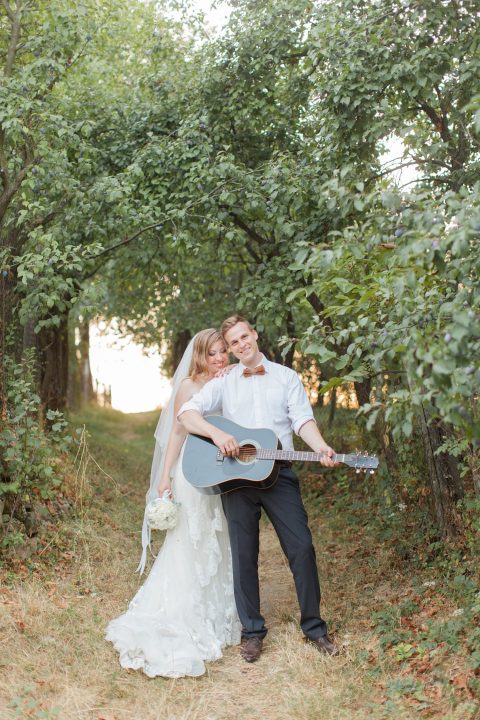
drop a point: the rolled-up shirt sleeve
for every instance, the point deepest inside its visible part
(299, 408)
(207, 400)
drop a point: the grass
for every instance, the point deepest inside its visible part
(56, 664)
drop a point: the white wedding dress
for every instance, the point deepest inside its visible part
(184, 614)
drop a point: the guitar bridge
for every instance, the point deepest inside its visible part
(220, 458)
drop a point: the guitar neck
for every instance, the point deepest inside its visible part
(293, 455)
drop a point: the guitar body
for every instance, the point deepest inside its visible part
(209, 472)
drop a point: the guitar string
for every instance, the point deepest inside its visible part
(263, 454)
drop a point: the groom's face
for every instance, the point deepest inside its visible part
(242, 342)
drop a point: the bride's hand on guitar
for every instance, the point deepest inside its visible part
(226, 443)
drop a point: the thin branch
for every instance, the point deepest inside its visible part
(55, 79)
(440, 122)
(127, 240)
(431, 178)
(15, 35)
(249, 230)
(390, 170)
(8, 9)
(430, 161)
(319, 308)
(12, 188)
(45, 219)
(3, 161)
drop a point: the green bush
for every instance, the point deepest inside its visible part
(28, 456)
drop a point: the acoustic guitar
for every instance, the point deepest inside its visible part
(260, 459)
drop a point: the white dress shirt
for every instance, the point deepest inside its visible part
(275, 400)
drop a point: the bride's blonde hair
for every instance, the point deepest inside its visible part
(201, 347)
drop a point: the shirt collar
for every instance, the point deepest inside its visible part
(263, 361)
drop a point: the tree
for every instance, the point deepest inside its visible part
(64, 162)
(68, 130)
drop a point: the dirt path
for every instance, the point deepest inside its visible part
(56, 664)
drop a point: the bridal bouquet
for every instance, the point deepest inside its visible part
(162, 513)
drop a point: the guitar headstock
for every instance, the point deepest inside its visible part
(362, 461)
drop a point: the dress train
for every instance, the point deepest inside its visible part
(184, 614)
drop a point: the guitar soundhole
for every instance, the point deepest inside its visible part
(248, 453)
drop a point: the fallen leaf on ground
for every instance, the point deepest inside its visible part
(460, 681)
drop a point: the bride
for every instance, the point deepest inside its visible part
(184, 614)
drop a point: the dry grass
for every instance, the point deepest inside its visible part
(56, 663)
(54, 636)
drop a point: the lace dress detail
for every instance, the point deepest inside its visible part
(184, 614)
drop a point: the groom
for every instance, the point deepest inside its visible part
(259, 393)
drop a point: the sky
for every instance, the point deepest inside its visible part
(135, 378)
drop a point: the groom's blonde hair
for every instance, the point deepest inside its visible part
(201, 347)
(231, 321)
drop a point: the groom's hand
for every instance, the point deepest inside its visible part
(328, 453)
(226, 443)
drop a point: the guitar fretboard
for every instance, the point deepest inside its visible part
(292, 455)
(356, 461)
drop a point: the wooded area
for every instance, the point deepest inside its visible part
(152, 176)
(152, 173)
(163, 175)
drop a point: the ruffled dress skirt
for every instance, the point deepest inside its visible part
(184, 614)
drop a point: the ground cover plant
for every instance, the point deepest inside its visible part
(406, 622)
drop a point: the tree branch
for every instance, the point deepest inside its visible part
(319, 308)
(251, 233)
(12, 188)
(14, 18)
(8, 9)
(127, 240)
(41, 96)
(3, 161)
(45, 219)
(390, 170)
(441, 125)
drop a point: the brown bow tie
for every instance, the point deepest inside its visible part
(260, 370)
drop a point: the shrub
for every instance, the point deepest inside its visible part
(29, 457)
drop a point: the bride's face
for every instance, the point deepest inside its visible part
(217, 357)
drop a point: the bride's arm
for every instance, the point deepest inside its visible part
(177, 436)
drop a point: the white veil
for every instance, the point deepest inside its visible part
(162, 435)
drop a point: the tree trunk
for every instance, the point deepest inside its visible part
(73, 389)
(384, 434)
(473, 458)
(179, 347)
(445, 482)
(29, 336)
(53, 360)
(363, 390)
(288, 361)
(86, 383)
(332, 405)
(5, 321)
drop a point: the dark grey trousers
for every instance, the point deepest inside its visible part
(283, 505)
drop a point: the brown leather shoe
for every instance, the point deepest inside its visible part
(325, 645)
(251, 648)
